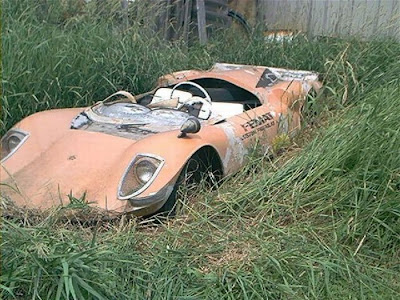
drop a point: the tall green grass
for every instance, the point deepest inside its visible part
(74, 62)
(324, 225)
(322, 222)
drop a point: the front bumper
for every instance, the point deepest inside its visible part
(143, 206)
(13, 201)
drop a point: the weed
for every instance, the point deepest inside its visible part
(320, 222)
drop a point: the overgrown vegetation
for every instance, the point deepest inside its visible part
(322, 222)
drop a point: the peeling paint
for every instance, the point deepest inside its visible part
(288, 75)
(283, 124)
(85, 154)
(236, 150)
(250, 72)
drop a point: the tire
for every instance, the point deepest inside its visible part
(189, 176)
(241, 20)
(311, 108)
(199, 168)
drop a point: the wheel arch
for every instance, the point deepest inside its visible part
(204, 153)
(208, 153)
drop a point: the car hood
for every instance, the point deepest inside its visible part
(55, 163)
(77, 163)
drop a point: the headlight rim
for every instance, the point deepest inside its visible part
(6, 137)
(132, 165)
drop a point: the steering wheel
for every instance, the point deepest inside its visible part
(198, 86)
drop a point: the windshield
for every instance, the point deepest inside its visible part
(126, 111)
(137, 114)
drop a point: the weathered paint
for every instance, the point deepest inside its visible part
(91, 157)
(235, 151)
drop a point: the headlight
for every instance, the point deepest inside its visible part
(140, 173)
(11, 141)
(145, 169)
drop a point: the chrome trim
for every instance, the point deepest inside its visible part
(8, 135)
(161, 196)
(144, 187)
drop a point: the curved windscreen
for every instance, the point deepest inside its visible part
(129, 120)
(137, 114)
(126, 111)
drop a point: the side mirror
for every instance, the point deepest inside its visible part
(191, 125)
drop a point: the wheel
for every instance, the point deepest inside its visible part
(312, 107)
(241, 20)
(200, 167)
(189, 177)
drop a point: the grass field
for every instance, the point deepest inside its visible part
(321, 221)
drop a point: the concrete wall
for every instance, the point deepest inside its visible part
(360, 18)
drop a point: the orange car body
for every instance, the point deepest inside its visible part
(55, 158)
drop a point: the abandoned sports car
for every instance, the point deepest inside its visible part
(128, 154)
